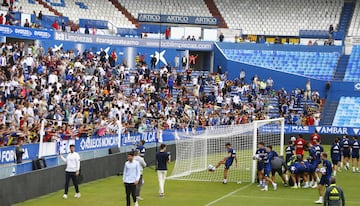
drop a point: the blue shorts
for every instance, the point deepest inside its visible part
(346, 154)
(355, 155)
(260, 166)
(324, 180)
(267, 172)
(228, 165)
(335, 160)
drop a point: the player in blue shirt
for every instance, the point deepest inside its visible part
(317, 149)
(290, 151)
(335, 152)
(270, 154)
(141, 148)
(298, 170)
(259, 155)
(326, 172)
(228, 160)
(345, 149)
(355, 146)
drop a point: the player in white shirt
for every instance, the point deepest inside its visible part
(72, 171)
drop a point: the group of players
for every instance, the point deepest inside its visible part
(313, 171)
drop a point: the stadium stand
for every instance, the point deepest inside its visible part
(354, 29)
(279, 17)
(311, 64)
(29, 6)
(97, 10)
(348, 112)
(173, 7)
(352, 70)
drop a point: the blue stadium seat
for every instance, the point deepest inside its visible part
(348, 113)
(319, 65)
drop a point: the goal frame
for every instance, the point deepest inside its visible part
(220, 132)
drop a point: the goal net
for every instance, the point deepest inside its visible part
(194, 153)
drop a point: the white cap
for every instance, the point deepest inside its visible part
(293, 138)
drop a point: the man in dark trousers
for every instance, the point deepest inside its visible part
(334, 195)
(131, 177)
(72, 171)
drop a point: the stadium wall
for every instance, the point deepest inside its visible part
(31, 185)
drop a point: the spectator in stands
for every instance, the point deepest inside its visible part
(184, 60)
(1, 18)
(87, 27)
(221, 37)
(219, 69)
(94, 30)
(331, 29)
(4, 3)
(310, 43)
(277, 40)
(262, 40)
(55, 25)
(27, 23)
(167, 33)
(315, 43)
(19, 151)
(192, 59)
(327, 88)
(193, 38)
(307, 94)
(40, 16)
(63, 26)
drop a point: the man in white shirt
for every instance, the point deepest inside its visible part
(72, 171)
(131, 177)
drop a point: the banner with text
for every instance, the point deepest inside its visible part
(178, 19)
(26, 33)
(133, 42)
(289, 129)
(7, 154)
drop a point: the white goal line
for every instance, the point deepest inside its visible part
(228, 195)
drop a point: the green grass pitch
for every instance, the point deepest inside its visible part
(110, 191)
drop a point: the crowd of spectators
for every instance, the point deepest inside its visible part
(86, 93)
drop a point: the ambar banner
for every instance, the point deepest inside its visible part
(177, 19)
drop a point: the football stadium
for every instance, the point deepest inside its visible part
(179, 102)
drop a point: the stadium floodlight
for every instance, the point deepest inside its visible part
(195, 153)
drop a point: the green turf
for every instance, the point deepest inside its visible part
(110, 191)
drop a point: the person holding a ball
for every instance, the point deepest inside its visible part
(326, 171)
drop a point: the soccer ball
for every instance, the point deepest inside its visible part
(323, 170)
(211, 168)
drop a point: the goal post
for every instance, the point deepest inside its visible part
(195, 152)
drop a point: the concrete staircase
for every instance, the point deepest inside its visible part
(328, 113)
(216, 13)
(49, 7)
(341, 67)
(346, 15)
(126, 13)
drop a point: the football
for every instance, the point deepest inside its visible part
(323, 170)
(211, 168)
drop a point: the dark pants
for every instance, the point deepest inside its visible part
(68, 176)
(138, 186)
(130, 189)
